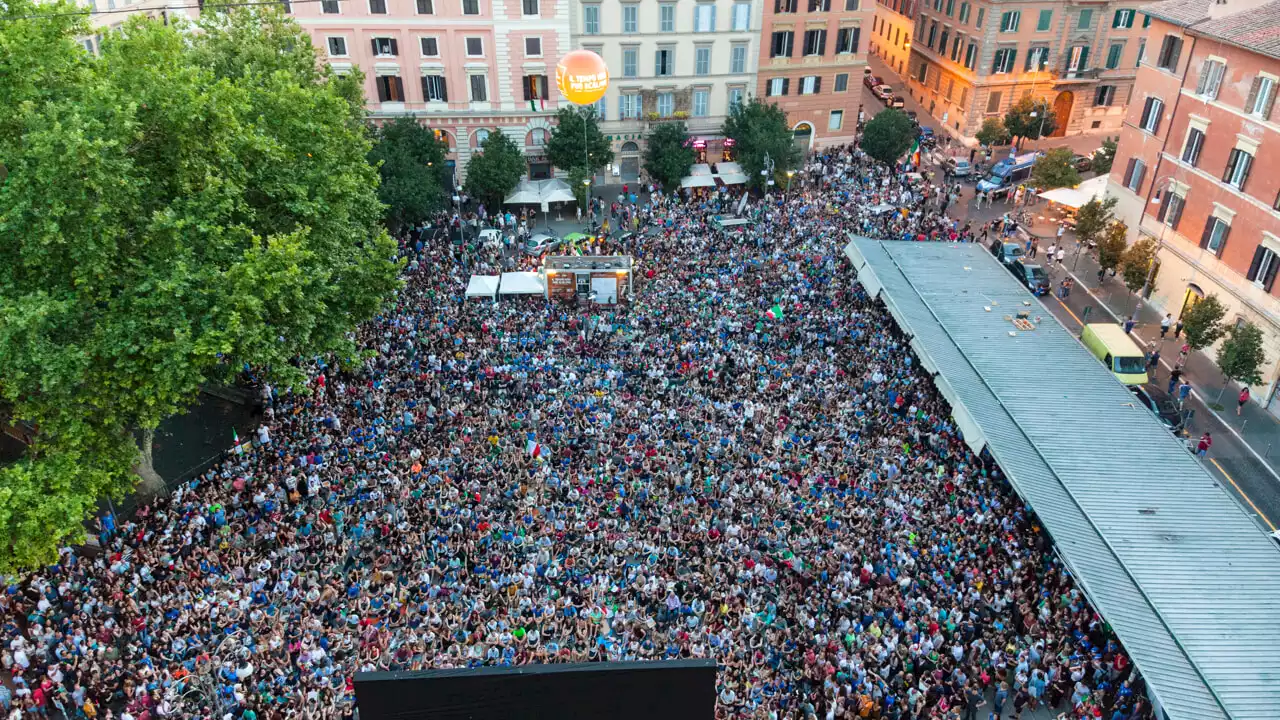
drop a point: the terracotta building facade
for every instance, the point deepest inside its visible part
(1190, 171)
(972, 59)
(812, 57)
(891, 33)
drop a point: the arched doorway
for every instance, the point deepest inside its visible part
(1193, 296)
(630, 164)
(1062, 112)
(803, 134)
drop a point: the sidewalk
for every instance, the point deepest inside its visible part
(1255, 426)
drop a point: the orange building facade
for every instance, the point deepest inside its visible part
(812, 57)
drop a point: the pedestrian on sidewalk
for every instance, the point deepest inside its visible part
(1035, 248)
(1062, 257)
(1177, 329)
(1244, 398)
(1184, 391)
(1049, 256)
(1153, 362)
(1129, 325)
(1165, 323)
(1202, 447)
(1174, 376)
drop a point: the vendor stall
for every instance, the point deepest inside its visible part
(483, 286)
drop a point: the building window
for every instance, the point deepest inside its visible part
(1114, 53)
(629, 106)
(1151, 112)
(434, 88)
(942, 42)
(1009, 21)
(738, 59)
(1262, 271)
(470, 7)
(815, 42)
(933, 33)
(533, 47)
(426, 7)
(1133, 174)
(1142, 53)
(850, 5)
(666, 104)
(1171, 209)
(1192, 147)
(1037, 59)
(337, 46)
(475, 47)
(329, 7)
(702, 61)
(529, 7)
(781, 44)
(378, 7)
(810, 85)
(664, 62)
(735, 96)
(1239, 163)
(955, 47)
(1077, 60)
(1210, 82)
(590, 19)
(535, 87)
(777, 86)
(479, 137)
(982, 12)
(993, 102)
(1045, 20)
(847, 40)
(741, 16)
(836, 120)
(630, 19)
(1104, 95)
(384, 47)
(971, 54)
(819, 5)
(1084, 19)
(842, 82)
(1215, 234)
(923, 75)
(704, 18)
(785, 6)
(1170, 49)
(390, 88)
(951, 6)
(667, 18)
(479, 88)
(964, 12)
(1003, 62)
(701, 103)
(429, 46)
(630, 62)
(1123, 19)
(1262, 95)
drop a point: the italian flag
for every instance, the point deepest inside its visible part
(235, 441)
(537, 105)
(915, 152)
(774, 313)
(535, 450)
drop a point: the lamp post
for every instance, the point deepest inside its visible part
(790, 174)
(586, 183)
(1155, 257)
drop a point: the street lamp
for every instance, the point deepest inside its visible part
(790, 174)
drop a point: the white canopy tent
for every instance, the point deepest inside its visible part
(697, 181)
(521, 283)
(1077, 196)
(483, 286)
(540, 192)
(700, 169)
(733, 178)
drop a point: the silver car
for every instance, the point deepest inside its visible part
(959, 167)
(540, 243)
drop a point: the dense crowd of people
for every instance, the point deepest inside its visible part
(742, 462)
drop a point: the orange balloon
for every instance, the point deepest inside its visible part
(582, 77)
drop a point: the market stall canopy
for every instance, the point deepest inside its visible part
(540, 192)
(521, 283)
(732, 178)
(1077, 196)
(698, 181)
(483, 286)
(700, 169)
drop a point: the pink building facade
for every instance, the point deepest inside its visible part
(464, 68)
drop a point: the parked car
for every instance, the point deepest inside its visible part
(927, 136)
(540, 243)
(883, 92)
(1161, 405)
(1006, 252)
(1082, 163)
(959, 167)
(912, 114)
(1032, 276)
(872, 81)
(897, 102)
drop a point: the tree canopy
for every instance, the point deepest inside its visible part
(760, 129)
(495, 171)
(1054, 169)
(1240, 356)
(887, 136)
(181, 206)
(1104, 156)
(578, 128)
(1139, 261)
(667, 157)
(411, 164)
(1021, 124)
(1112, 244)
(1202, 322)
(1093, 218)
(992, 133)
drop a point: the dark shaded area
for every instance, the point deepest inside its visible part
(674, 690)
(189, 440)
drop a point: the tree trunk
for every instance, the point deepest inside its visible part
(152, 483)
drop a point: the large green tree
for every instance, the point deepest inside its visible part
(414, 177)
(187, 203)
(1240, 356)
(495, 171)
(667, 155)
(1111, 246)
(1202, 322)
(888, 135)
(1030, 119)
(576, 140)
(1054, 169)
(1139, 263)
(1104, 156)
(1093, 218)
(992, 133)
(760, 129)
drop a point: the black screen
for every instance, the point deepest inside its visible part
(674, 690)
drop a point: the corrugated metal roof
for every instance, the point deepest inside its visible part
(1189, 583)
